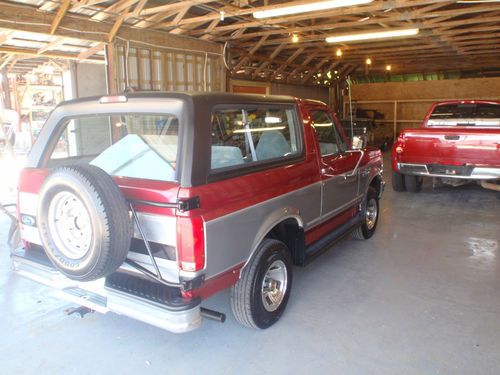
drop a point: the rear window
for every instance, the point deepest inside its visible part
(129, 145)
(466, 114)
(248, 135)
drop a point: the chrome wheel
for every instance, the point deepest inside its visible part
(371, 213)
(69, 224)
(274, 285)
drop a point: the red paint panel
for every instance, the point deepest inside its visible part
(230, 195)
(428, 145)
(216, 284)
(319, 231)
(31, 180)
(249, 89)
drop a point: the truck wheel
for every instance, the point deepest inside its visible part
(260, 296)
(413, 183)
(398, 183)
(84, 222)
(371, 210)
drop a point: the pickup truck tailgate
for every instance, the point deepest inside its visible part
(456, 146)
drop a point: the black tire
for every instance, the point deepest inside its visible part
(84, 222)
(398, 182)
(413, 183)
(370, 216)
(247, 300)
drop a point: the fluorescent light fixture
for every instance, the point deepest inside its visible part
(325, 125)
(306, 8)
(371, 35)
(237, 131)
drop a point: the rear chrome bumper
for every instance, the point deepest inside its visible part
(445, 171)
(96, 296)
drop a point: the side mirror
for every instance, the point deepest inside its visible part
(357, 143)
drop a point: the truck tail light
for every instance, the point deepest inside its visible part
(190, 243)
(399, 144)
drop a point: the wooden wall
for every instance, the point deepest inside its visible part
(408, 102)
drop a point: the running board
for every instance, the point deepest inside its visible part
(329, 239)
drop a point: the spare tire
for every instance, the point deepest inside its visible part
(84, 222)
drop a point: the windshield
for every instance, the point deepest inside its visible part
(466, 114)
(128, 145)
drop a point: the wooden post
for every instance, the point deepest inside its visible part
(111, 72)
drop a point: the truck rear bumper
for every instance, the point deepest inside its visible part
(450, 171)
(115, 294)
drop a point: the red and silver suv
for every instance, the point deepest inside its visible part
(146, 204)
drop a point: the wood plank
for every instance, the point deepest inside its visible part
(59, 16)
(54, 55)
(114, 10)
(376, 7)
(51, 45)
(91, 51)
(31, 20)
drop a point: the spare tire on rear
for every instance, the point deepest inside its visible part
(84, 222)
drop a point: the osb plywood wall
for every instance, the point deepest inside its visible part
(480, 88)
(415, 98)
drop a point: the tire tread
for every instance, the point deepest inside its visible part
(241, 292)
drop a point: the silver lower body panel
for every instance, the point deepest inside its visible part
(96, 297)
(443, 171)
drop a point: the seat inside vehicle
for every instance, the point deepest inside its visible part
(272, 144)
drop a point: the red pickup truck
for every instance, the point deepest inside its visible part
(146, 204)
(459, 142)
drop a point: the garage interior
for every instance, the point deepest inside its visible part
(420, 297)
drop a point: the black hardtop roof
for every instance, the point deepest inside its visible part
(206, 98)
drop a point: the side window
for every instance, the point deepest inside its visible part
(245, 135)
(329, 140)
(128, 145)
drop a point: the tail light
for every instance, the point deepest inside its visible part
(190, 243)
(399, 144)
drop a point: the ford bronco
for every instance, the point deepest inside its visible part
(146, 204)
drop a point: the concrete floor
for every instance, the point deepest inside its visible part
(421, 297)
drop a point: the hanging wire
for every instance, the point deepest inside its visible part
(205, 72)
(348, 81)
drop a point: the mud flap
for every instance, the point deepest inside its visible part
(14, 236)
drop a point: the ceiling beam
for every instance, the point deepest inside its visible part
(91, 51)
(50, 45)
(63, 8)
(30, 19)
(53, 55)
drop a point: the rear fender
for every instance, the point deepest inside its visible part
(275, 218)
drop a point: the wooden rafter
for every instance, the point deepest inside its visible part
(451, 32)
(63, 8)
(91, 51)
(50, 45)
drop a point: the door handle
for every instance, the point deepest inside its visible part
(452, 137)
